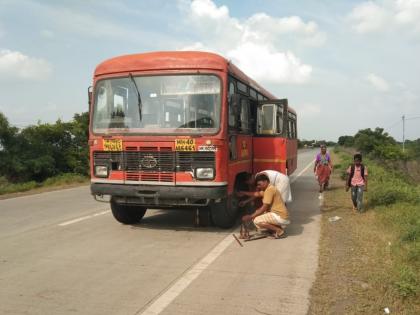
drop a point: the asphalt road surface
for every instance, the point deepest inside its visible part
(63, 253)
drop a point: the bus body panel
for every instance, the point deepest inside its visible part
(291, 155)
(270, 153)
(242, 162)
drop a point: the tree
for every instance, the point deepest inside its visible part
(377, 143)
(44, 150)
(346, 141)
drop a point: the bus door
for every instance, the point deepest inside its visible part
(240, 136)
(269, 143)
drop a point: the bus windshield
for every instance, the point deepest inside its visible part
(160, 104)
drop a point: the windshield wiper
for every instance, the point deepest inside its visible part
(139, 104)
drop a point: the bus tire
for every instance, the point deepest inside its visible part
(127, 214)
(224, 213)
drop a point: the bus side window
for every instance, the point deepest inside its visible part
(279, 120)
(266, 119)
(232, 148)
(232, 106)
(291, 126)
(245, 116)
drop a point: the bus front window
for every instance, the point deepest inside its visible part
(167, 104)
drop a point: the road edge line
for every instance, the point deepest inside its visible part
(158, 305)
(83, 218)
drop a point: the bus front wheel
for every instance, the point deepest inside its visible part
(127, 214)
(224, 213)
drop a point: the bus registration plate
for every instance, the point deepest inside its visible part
(185, 145)
(112, 145)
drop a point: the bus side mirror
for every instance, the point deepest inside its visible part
(90, 95)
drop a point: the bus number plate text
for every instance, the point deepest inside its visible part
(185, 145)
(112, 145)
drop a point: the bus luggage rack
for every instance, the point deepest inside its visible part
(154, 164)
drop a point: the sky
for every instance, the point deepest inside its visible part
(343, 65)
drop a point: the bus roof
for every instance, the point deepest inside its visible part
(176, 60)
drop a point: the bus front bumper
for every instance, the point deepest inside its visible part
(165, 196)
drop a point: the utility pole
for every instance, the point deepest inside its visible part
(403, 120)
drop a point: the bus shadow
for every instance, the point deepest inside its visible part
(303, 210)
(175, 220)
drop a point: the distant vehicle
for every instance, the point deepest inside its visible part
(178, 130)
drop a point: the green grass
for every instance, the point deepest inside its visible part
(60, 180)
(396, 202)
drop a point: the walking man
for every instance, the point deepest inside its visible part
(357, 181)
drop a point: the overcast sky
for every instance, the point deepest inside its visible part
(343, 65)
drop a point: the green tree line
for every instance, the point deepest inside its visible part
(41, 151)
(45, 150)
(380, 145)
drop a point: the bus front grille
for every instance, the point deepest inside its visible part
(157, 164)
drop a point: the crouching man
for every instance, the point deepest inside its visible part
(272, 215)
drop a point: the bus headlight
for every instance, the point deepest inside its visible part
(101, 171)
(204, 173)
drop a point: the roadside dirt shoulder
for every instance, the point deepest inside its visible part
(354, 260)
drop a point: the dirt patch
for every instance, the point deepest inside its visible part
(354, 273)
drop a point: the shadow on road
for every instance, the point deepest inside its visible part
(304, 207)
(177, 220)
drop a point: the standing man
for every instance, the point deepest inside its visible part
(272, 215)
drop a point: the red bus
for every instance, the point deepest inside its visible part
(178, 130)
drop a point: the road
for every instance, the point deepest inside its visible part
(62, 252)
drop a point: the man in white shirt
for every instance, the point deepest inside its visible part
(281, 182)
(277, 179)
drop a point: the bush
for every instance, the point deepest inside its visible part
(413, 253)
(412, 233)
(12, 188)
(407, 285)
(44, 150)
(6, 187)
(384, 196)
(67, 178)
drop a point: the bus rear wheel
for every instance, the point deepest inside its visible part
(127, 214)
(224, 213)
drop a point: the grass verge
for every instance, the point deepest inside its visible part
(369, 261)
(9, 190)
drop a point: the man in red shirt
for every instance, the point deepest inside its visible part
(357, 181)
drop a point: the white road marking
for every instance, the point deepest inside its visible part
(301, 172)
(84, 218)
(189, 276)
(182, 283)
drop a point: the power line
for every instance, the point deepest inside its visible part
(394, 124)
(411, 118)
